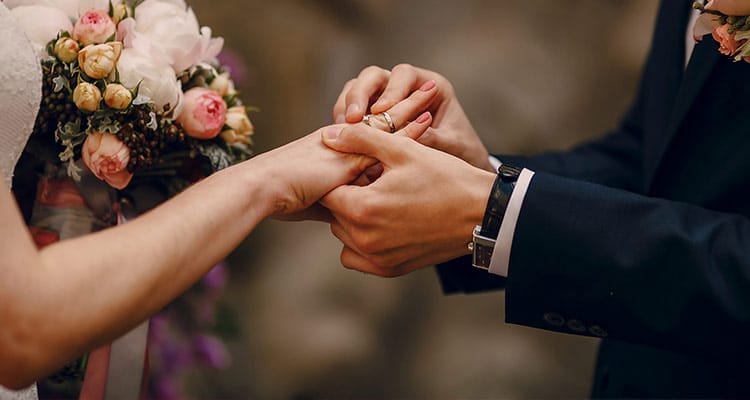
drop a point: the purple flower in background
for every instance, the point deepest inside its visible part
(236, 66)
(167, 389)
(181, 336)
(205, 314)
(216, 278)
(212, 351)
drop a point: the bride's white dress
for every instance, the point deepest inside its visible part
(20, 94)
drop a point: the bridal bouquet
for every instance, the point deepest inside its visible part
(132, 89)
(135, 108)
(732, 32)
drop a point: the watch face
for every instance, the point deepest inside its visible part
(482, 256)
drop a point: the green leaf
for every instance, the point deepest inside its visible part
(216, 156)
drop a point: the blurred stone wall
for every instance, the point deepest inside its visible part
(532, 75)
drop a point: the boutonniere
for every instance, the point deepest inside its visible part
(728, 22)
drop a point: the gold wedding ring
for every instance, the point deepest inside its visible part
(368, 118)
(389, 120)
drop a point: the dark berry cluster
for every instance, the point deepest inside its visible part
(56, 108)
(146, 145)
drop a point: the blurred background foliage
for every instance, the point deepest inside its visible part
(532, 75)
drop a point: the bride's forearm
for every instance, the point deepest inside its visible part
(103, 284)
(57, 303)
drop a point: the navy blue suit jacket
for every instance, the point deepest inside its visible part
(643, 236)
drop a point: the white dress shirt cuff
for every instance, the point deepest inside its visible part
(501, 255)
(494, 162)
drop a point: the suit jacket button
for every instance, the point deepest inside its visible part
(597, 330)
(554, 319)
(576, 325)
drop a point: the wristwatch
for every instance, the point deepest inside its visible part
(484, 237)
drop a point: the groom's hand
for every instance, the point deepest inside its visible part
(376, 90)
(419, 212)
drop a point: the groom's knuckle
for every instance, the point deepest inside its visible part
(389, 272)
(403, 68)
(364, 211)
(366, 242)
(372, 70)
(385, 263)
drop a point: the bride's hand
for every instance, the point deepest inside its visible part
(376, 90)
(299, 173)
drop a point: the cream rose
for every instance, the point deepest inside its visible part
(157, 81)
(99, 60)
(204, 113)
(107, 158)
(87, 96)
(223, 85)
(120, 12)
(241, 128)
(117, 96)
(94, 27)
(66, 49)
(170, 29)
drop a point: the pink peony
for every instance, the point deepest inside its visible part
(727, 45)
(94, 27)
(203, 114)
(107, 157)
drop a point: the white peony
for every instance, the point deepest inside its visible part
(72, 8)
(157, 80)
(41, 24)
(169, 29)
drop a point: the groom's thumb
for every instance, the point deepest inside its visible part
(362, 139)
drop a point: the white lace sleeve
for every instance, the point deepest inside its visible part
(26, 394)
(20, 92)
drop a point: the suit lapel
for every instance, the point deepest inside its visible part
(704, 58)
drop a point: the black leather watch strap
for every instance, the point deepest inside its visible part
(505, 182)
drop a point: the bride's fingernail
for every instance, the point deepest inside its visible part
(352, 109)
(424, 117)
(340, 119)
(427, 86)
(332, 132)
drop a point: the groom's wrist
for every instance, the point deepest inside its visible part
(485, 236)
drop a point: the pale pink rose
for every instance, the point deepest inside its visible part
(727, 44)
(94, 27)
(203, 114)
(107, 158)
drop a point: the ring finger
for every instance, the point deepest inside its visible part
(406, 110)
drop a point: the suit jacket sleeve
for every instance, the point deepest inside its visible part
(615, 160)
(641, 269)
